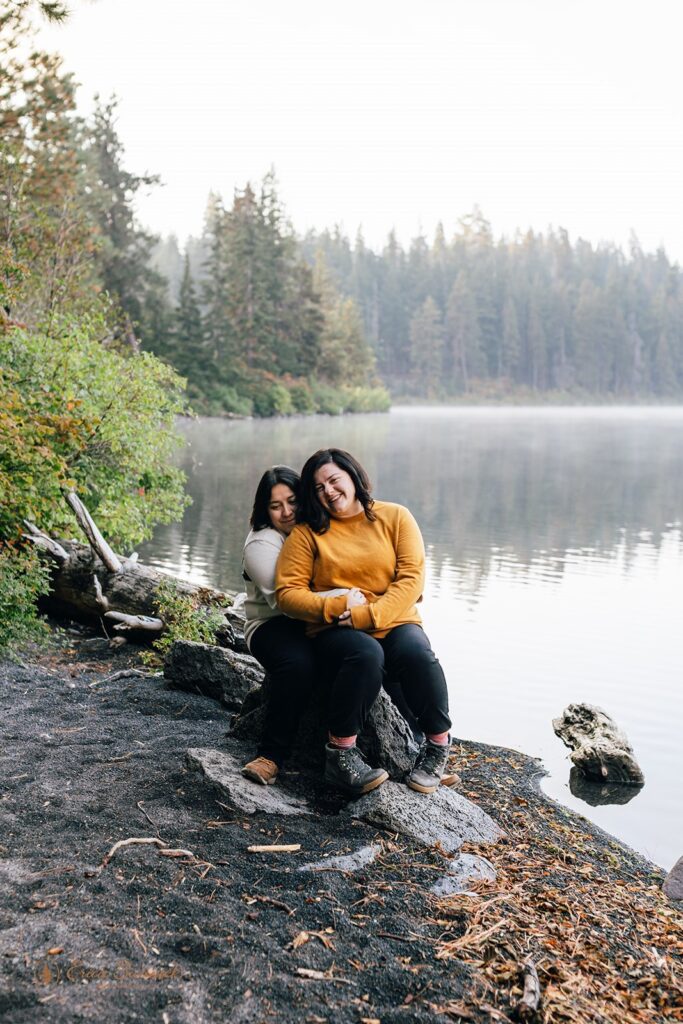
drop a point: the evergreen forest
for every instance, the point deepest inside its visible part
(468, 318)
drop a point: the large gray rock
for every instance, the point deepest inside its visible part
(223, 771)
(386, 740)
(599, 749)
(673, 883)
(444, 817)
(465, 869)
(224, 675)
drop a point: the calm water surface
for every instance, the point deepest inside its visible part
(555, 564)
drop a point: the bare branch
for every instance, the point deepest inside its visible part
(128, 622)
(95, 538)
(41, 540)
(102, 600)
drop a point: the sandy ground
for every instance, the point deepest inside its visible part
(218, 933)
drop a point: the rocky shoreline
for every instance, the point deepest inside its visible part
(352, 921)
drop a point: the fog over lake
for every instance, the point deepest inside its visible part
(554, 561)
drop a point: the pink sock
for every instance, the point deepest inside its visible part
(342, 742)
(439, 738)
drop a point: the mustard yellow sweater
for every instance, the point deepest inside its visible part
(384, 559)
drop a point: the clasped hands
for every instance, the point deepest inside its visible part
(354, 598)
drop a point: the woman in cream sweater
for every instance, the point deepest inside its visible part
(278, 642)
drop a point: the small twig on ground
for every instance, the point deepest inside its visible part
(135, 841)
(164, 850)
(398, 938)
(275, 848)
(143, 811)
(138, 939)
(274, 903)
(308, 972)
(122, 675)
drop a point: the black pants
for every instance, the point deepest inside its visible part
(357, 664)
(286, 653)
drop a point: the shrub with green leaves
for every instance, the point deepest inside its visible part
(23, 579)
(184, 619)
(77, 414)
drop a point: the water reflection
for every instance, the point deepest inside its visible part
(495, 491)
(599, 794)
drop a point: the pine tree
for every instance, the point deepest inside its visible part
(43, 223)
(189, 352)
(464, 359)
(345, 358)
(510, 347)
(123, 255)
(426, 348)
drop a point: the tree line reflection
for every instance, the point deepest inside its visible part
(493, 493)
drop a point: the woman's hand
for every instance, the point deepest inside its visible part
(354, 598)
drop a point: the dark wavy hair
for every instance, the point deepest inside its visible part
(260, 515)
(310, 510)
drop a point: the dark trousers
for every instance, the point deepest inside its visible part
(286, 653)
(357, 664)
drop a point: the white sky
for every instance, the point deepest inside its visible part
(385, 113)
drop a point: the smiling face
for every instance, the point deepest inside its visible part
(282, 508)
(336, 492)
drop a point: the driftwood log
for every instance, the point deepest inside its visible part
(90, 582)
(600, 750)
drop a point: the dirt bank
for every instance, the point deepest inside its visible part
(218, 933)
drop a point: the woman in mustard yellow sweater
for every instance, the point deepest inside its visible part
(347, 539)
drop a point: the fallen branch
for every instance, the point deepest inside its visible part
(529, 1003)
(125, 622)
(41, 540)
(102, 601)
(95, 538)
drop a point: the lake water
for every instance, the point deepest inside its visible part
(555, 568)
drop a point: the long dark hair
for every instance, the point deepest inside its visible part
(260, 515)
(310, 510)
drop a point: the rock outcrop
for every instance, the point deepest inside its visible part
(444, 817)
(223, 772)
(599, 749)
(224, 675)
(462, 871)
(673, 883)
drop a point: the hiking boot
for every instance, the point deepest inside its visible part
(346, 769)
(261, 770)
(429, 767)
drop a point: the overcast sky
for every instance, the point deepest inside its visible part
(384, 113)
